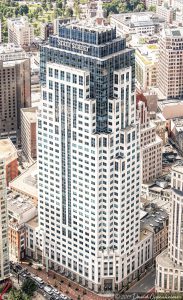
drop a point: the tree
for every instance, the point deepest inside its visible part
(59, 4)
(140, 7)
(112, 7)
(17, 295)
(68, 12)
(77, 10)
(29, 287)
(23, 10)
(152, 8)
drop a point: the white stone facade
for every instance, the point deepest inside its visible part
(20, 31)
(169, 274)
(4, 253)
(101, 242)
(151, 145)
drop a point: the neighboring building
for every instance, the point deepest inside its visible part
(176, 131)
(151, 145)
(33, 249)
(153, 3)
(26, 184)
(150, 98)
(161, 129)
(171, 109)
(177, 4)
(166, 12)
(28, 133)
(20, 211)
(15, 92)
(20, 31)
(35, 81)
(9, 152)
(169, 264)
(137, 23)
(146, 61)
(156, 221)
(0, 32)
(89, 193)
(170, 72)
(4, 253)
(46, 30)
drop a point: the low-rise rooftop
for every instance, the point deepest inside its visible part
(148, 54)
(33, 222)
(30, 113)
(155, 219)
(138, 19)
(26, 183)
(7, 149)
(11, 52)
(20, 207)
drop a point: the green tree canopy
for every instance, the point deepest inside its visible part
(17, 295)
(29, 287)
(23, 10)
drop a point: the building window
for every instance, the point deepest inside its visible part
(81, 80)
(80, 93)
(62, 75)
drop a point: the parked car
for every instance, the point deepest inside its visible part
(48, 290)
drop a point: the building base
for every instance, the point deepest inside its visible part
(169, 276)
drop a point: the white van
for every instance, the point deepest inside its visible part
(39, 280)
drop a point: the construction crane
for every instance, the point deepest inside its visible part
(7, 285)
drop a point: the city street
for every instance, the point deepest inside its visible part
(145, 284)
(72, 290)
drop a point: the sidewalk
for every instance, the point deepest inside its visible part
(55, 279)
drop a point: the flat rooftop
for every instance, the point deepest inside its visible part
(155, 218)
(178, 167)
(18, 204)
(144, 233)
(9, 48)
(7, 148)
(138, 19)
(164, 260)
(26, 183)
(33, 222)
(21, 21)
(12, 52)
(30, 114)
(176, 32)
(148, 53)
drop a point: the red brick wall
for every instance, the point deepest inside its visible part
(11, 171)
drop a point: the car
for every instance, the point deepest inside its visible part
(56, 291)
(19, 267)
(39, 280)
(63, 297)
(48, 290)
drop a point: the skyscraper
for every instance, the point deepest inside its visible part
(89, 156)
(4, 255)
(169, 274)
(20, 31)
(15, 92)
(170, 72)
(151, 145)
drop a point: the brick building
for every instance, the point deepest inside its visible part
(10, 157)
